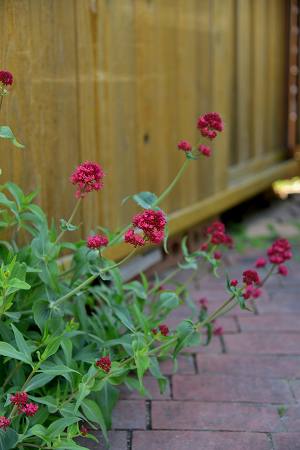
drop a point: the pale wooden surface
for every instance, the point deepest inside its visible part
(121, 81)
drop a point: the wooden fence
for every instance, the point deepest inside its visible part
(121, 81)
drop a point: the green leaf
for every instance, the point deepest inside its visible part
(38, 381)
(8, 350)
(8, 439)
(167, 302)
(21, 343)
(122, 314)
(57, 370)
(6, 133)
(57, 427)
(93, 413)
(83, 391)
(52, 347)
(142, 362)
(66, 226)
(14, 285)
(145, 199)
(68, 445)
(41, 312)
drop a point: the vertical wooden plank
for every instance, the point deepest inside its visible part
(243, 88)
(106, 66)
(260, 77)
(223, 16)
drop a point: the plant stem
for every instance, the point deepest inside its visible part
(268, 275)
(172, 184)
(70, 219)
(216, 313)
(106, 269)
(164, 280)
(77, 289)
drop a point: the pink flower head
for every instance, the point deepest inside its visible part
(154, 330)
(4, 422)
(234, 282)
(251, 277)
(251, 292)
(164, 329)
(185, 146)
(19, 399)
(133, 238)
(210, 124)
(218, 331)
(218, 235)
(88, 177)
(280, 251)
(205, 150)
(283, 270)
(217, 255)
(260, 262)
(30, 409)
(104, 363)
(6, 78)
(97, 241)
(204, 247)
(203, 303)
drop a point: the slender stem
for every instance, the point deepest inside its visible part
(69, 220)
(268, 275)
(1, 100)
(77, 289)
(106, 269)
(173, 183)
(216, 313)
(164, 280)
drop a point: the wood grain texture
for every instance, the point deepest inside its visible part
(122, 81)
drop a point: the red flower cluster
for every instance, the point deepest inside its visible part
(203, 303)
(260, 262)
(205, 150)
(184, 146)
(280, 251)
(152, 223)
(4, 422)
(104, 363)
(20, 399)
(6, 77)
(210, 124)
(163, 328)
(251, 277)
(251, 292)
(218, 235)
(97, 241)
(88, 177)
(234, 282)
(283, 270)
(217, 255)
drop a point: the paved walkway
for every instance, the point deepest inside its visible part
(240, 393)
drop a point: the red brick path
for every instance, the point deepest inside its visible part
(227, 396)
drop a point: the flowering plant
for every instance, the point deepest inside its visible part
(70, 337)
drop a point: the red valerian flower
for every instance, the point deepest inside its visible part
(133, 238)
(260, 262)
(88, 177)
(218, 235)
(30, 409)
(104, 363)
(217, 255)
(234, 282)
(203, 303)
(185, 146)
(251, 292)
(251, 277)
(83, 430)
(152, 223)
(204, 247)
(154, 330)
(6, 77)
(19, 399)
(164, 329)
(204, 150)
(280, 251)
(97, 241)
(283, 270)
(210, 124)
(4, 422)
(218, 331)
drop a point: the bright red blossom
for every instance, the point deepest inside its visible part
(203, 303)
(164, 329)
(30, 409)
(204, 247)
(19, 399)
(218, 235)
(6, 77)
(204, 150)
(88, 177)
(218, 331)
(133, 238)
(234, 282)
(251, 292)
(217, 255)
(251, 277)
(283, 270)
(280, 251)
(4, 422)
(104, 363)
(185, 146)
(97, 241)
(260, 262)
(210, 124)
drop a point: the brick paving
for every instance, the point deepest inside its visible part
(240, 393)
